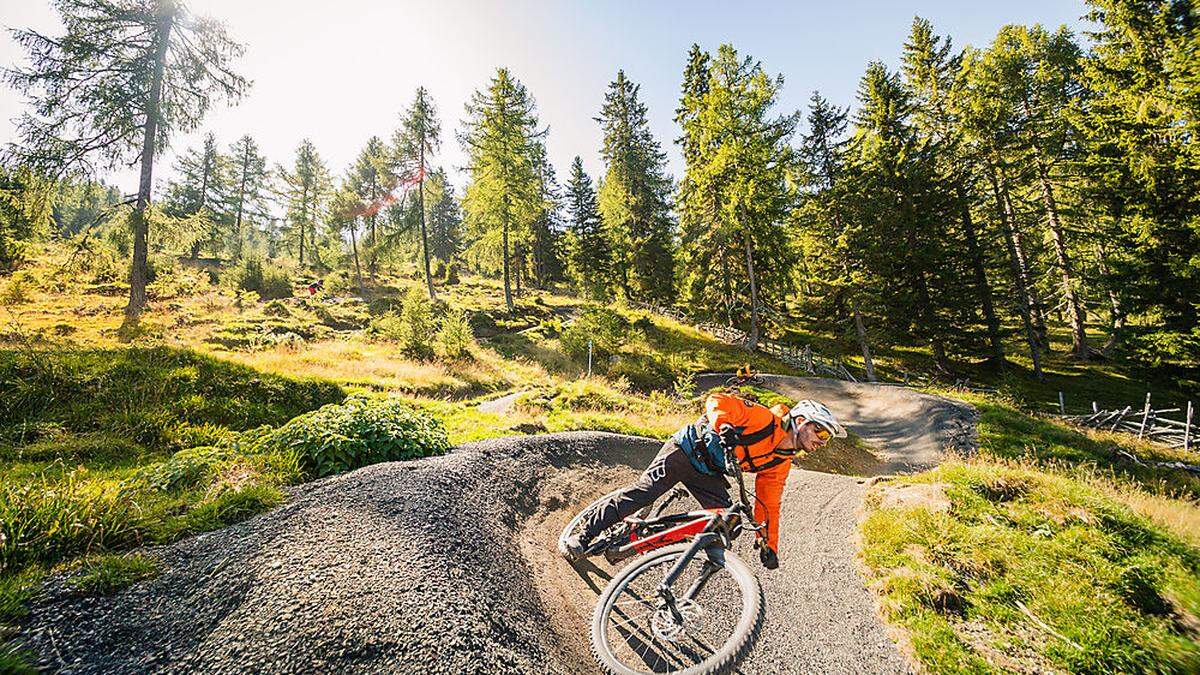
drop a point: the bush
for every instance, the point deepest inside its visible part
(454, 339)
(363, 430)
(412, 329)
(451, 275)
(606, 329)
(271, 283)
(15, 291)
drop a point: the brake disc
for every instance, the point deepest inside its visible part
(665, 626)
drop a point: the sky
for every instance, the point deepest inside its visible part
(339, 72)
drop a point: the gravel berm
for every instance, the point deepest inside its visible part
(397, 567)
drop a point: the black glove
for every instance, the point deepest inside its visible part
(769, 558)
(729, 436)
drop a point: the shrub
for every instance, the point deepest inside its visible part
(451, 275)
(275, 285)
(606, 329)
(454, 339)
(15, 291)
(363, 430)
(270, 283)
(412, 329)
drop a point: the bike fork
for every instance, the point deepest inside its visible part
(664, 589)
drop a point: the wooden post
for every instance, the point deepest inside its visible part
(1062, 408)
(1145, 416)
(589, 358)
(1187, 430)
(1095, 408)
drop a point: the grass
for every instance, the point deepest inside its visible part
(1053, 554)
(1110, 590)
(107, 574)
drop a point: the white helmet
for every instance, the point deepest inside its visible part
(809, 410)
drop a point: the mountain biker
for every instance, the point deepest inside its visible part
(763, 440)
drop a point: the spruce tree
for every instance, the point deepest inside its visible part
(417, 140)
(1140, 125)
(587, 256)
(307, 190)
(634, 197)
(503, 144)
(123, 77)
(825, 216)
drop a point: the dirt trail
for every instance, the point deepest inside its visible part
(447, 565)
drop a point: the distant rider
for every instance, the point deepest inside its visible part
(764, 441)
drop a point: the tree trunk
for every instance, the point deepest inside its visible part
(203, 202)
(754, 329)
(303, 220)
(508, 298)
(1020, 273)
(995, 346)
(237, 225)
(137, 270)
(421, 208)
(1117, 314)
(1079, 348)
(861, 331)
(357, 267)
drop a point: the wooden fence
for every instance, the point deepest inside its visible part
(801, 358)
(1147, 423)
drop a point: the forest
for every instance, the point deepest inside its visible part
(961, 204)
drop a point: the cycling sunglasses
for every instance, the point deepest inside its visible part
(823, 434)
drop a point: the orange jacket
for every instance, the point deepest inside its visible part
(750, 417)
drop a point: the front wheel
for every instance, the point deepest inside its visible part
(719, 612)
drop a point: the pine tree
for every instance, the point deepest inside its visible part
(740, 170)
(123, 77)
(634, 197)
(503, 143)
(1140, 125)
(931, 70)
(418, 139)
(249, 189)
(587, 256)
(307, 190)
(370, 179)
(199, 192)
(445, 221)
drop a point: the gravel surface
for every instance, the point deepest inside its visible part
(447, 565)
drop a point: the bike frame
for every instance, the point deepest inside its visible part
(714, 531)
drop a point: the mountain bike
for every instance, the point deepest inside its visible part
(745, 376)
(689, 604)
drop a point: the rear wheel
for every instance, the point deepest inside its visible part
(719, 607)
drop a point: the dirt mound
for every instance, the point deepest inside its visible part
(448, 565)
(406, 566)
